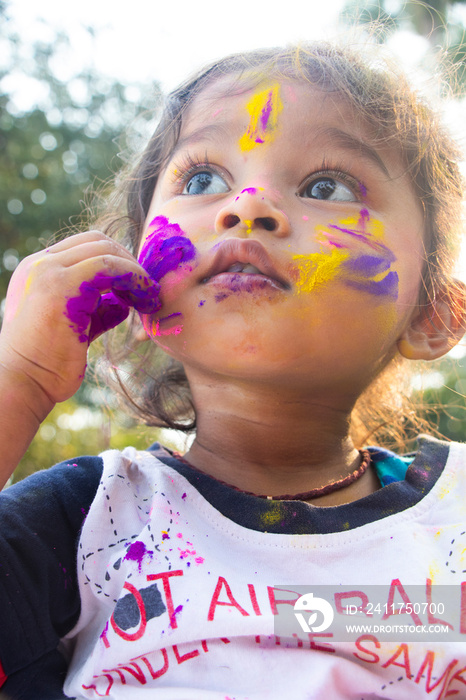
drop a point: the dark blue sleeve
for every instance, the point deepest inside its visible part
(40, 521)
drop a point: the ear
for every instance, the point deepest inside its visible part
(436, 327)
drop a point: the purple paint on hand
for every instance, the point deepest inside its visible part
(100, 312)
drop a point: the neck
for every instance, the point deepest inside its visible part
(274, 441)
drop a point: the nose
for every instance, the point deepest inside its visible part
(252, 211)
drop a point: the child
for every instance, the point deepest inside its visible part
(290, 228)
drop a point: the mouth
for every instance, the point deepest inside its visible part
(237, 259)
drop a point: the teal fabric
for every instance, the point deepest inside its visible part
(389, 466)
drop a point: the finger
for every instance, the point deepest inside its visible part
(109, 314)
(79, 239)
(88, 249)
(104, 301)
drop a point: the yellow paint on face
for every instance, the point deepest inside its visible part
(248, 223)
(317, 269)
(264, 108)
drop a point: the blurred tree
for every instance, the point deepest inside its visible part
(440, 22)
(58, 139)
(442, 392)
(60, 136)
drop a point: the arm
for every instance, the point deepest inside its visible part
(58, 301)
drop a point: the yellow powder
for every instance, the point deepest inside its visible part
(317, 269)
(263, 108)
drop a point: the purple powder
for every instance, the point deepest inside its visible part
(165, 248)
(136, 552)
(369, 265)
(105, 311)
(247, 190)
(265, 112)
(388, 286)
(176, 612)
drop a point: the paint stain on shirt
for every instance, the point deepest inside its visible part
(136, 552)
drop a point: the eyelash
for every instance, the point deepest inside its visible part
(335, 171)
(189, 165)
(184, 169)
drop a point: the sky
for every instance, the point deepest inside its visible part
(165, 41)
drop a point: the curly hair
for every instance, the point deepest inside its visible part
(156, 385)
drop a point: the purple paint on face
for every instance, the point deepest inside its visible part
(165, 249)
(265, 112)
(202, 302)
(362, 189)
(100, 312)
(247, 190)
(369, 265)
(136, 552)
(243, 283)
(388, 286)
(166, 318)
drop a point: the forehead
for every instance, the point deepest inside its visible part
(297, 111)
(235, 99)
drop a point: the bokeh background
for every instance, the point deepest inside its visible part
(80, 85)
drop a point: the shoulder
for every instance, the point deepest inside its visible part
(72, 483)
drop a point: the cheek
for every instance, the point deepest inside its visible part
(352, 254)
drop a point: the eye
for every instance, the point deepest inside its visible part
(328, 188)
(205, 182)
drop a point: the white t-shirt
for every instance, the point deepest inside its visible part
(181, 602)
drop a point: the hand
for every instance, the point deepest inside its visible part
(62, 298)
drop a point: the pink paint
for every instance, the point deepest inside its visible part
(136, 552)
(103, 636)
(305, 218)
(247, 190)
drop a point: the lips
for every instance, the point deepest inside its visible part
(239, 257)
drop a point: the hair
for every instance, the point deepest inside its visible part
(157, 388)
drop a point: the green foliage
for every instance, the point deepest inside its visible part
(59, 141)
(437, 21)
(73, 429)
(59, 148)
(444, 405)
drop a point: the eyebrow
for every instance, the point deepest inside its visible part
(352, 143)
(209, 132)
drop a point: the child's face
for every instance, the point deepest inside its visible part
(294, 242)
